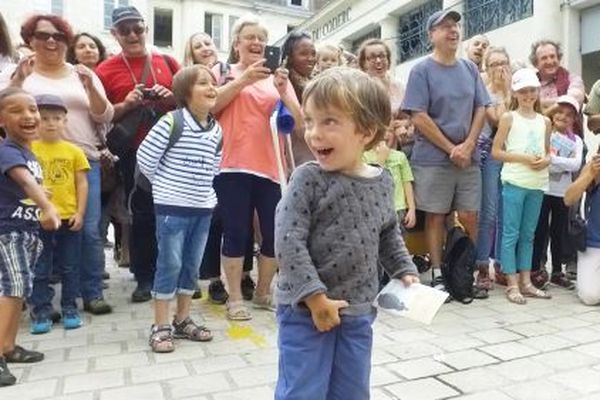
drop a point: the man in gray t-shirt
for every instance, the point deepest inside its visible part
(446, 99)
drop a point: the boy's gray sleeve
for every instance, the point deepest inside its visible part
(298, 274)
(393, 254)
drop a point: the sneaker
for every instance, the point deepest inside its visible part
(562, 281)
(40, 326)
(540, 278)
(6, 378)
(71, 320)
(141, 294)
(197, 294)
(248, 287)
(571, 270)
(217, 293)
(97, 307)
(55, 316)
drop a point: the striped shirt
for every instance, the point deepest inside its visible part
(183, 176)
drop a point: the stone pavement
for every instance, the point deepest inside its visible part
(489, 350)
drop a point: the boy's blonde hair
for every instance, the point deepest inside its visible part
(356, 94)
(185, 79)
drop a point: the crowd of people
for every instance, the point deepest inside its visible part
(186, 163)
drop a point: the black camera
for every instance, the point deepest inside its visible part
(149, 94)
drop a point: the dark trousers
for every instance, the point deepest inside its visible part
(551, 225)
(142, 241)
(211, 262)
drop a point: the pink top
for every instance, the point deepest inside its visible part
(83, 127)
(247, 142)
(548, 91)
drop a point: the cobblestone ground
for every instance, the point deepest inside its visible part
(489, 350)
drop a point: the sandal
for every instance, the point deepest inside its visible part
(264, 302)
(514, 295)
(20, 355)
(531, 291)
(161, 339)
(237, 311)
(188, 329)
(484, 280)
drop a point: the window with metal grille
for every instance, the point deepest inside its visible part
(374, 34)
(482, 16)
(413, 39)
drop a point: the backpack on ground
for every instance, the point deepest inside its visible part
(459, 265)
(175, 132)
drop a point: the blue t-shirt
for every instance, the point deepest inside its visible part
(593, 219)
(449, 94)
(17, 212)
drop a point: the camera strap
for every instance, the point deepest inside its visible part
(147, 70)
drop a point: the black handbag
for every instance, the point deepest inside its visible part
(577, 228)
(123, 132)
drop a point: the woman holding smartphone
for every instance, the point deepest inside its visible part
(249, 178)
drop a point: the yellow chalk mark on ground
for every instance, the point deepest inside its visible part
(239, 332)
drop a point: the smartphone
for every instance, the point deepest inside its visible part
(273, 57)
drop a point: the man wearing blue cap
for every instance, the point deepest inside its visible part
(446, 99)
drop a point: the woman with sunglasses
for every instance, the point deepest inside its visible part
(48, 72)
(375, 58)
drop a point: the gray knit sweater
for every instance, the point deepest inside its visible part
(330, 230)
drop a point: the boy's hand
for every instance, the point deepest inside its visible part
(324, 311)
(75, 222)
(408, 280)
(410, 219)
(50, 220)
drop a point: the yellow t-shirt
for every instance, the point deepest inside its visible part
(60, 161)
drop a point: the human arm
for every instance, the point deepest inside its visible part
(589, 175)
(153, 147)
(461, 153)
(576, 88)
(288, 95)
(542, 162)
(428, 128)
(101, 110)
(133, 100)
(81, 186)
(50, 220)
(410, 219)
(226, 93)
(568, 164)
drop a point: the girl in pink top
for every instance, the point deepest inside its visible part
(249, 179)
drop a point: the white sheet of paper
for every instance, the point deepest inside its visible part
(417, 302)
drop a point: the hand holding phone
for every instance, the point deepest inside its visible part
(273, 58)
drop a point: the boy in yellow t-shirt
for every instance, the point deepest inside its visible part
(65, 167)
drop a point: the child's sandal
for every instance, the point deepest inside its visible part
(187, 329)
(531, 291)
(514, 295)
(237, 311)
(161, 339)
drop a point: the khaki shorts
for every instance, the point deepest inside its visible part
(441, 189)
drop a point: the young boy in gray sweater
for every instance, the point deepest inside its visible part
(332, 225)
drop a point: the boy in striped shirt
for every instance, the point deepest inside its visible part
(181, 177)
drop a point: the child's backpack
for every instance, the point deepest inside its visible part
(459, 268)
(175, 133)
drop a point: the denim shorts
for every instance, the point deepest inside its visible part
(181, 241)
(19, 252)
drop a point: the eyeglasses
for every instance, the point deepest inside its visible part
(127, 29)
(254, 38)
(498, 64)
(375, 57)
(45, 36)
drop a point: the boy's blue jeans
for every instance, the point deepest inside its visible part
(181, 242)
(65, 244)
(521, 210)
(334, 365)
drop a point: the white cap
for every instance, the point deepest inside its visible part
(570, 100)
(525, 77)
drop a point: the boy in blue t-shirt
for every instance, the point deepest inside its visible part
(23, 207)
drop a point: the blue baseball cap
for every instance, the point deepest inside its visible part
(438, 16)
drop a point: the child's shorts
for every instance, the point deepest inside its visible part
(19, 252)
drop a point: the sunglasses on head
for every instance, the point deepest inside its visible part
(127, 29)
(45, 36)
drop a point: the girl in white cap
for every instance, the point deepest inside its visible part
(522, 143)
